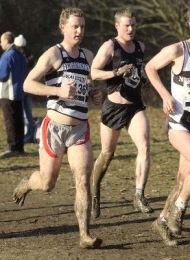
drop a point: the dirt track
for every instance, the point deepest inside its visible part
(46, 228)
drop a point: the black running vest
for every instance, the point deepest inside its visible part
(129, 87)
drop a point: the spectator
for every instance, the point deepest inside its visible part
(12, 75)
(29, 125)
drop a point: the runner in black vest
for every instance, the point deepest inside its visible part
(119, 61)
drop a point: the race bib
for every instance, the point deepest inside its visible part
(80, 82)
(133, 80)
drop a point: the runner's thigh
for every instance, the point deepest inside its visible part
(80, 158)
(49, 166)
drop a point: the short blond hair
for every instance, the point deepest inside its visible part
(127, 12)
(66, 13)
(9, 36)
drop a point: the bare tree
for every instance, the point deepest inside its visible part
(159, 21)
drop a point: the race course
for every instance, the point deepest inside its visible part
(45, 228)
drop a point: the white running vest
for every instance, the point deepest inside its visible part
(180, 86)
(71, 69)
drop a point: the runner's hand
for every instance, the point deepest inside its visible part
(125, 70)
(67, 90)
(96, 96)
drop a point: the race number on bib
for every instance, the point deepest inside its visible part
(80, 82)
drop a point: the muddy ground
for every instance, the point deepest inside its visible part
(45, 228)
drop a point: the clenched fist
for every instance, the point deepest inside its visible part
(96, 96)
(67, 90)
(125, 70)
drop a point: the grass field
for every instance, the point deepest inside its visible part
(46, 228)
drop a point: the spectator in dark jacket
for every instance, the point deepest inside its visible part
(29, 124)
(12, 75)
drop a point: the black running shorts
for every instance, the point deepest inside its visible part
(117, 116)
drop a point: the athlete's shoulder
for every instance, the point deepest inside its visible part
(142, 45)
(51, 56)
(108, 43)
(175, 49)
(88, 54)
(53, 50)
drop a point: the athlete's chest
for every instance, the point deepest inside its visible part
(123, 57)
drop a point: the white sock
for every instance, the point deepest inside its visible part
(181, 203)
(139, 192)
(162, 218)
